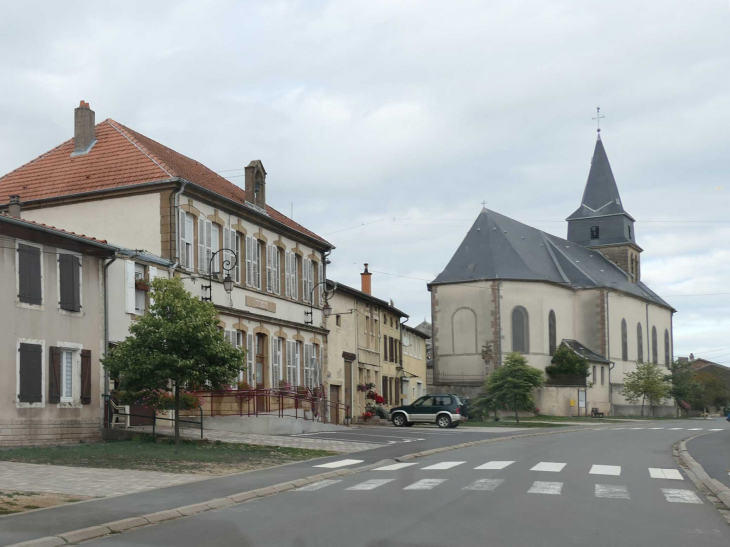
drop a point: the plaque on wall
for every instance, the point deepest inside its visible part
(261, 304)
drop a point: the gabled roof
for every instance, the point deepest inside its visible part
(587, 354)
(365, 296)
(121, 157)
(498, 247)
(600, 197)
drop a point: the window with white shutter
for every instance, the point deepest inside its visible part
(287, 274)
(129, 288)
(227, 244)
(236, 246)
(276, 361)
(269, 268)
(311, 281)
(249, 360)
(320, 279)
(308, 365)
(201, 245)
(306, 263)
(249, 261)
(256, 264)
(294, 277)
(182, 249)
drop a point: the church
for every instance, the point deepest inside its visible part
(511, 287)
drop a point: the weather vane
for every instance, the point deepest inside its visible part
(598, 118)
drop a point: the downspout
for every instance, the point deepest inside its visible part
(499, 321)
(176, 207)
(648, 337)
(106, 330)
(608, 354)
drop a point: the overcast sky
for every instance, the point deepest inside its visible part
(387, 123)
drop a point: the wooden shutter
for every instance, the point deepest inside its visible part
(287, 274)
(277, 270)
(201, 245)
(320, 273)
(294, 281)
(129, 294)
(227, 245)
(30, 389)
(385, 347)
(269, 264)
(249, 359)
(307, 365)
(65, 282)
(54, 375)
(29, 275)
(305, 280)
(182, 252)
(249, 268)
(257, 263)
(208, 246)
(236, 241)
(85, 377)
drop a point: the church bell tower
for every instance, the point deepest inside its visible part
(601, 223)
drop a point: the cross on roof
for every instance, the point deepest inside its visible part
(598, 118)
(484, 203)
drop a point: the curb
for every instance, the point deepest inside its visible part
(133, 523)
(699, 475)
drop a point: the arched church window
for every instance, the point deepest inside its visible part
(654, 350)
(520, 330)
(639, 343)
(624, 341)
(552, 332)
(667, 350)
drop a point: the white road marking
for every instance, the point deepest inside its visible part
(393, 467)
(658, 473)
(680, 496)
(317, 485)
(605, 470)
(656, 428)
(720, 429)
(553, 467)
(370, 485)
(484, 484)
(425, 484)
(695, 429)
(674, 428)
(494, 465)
(635, 428)
(442, 465)
(541, 487)
(339, 463)
(612, 491)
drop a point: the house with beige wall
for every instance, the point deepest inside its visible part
(52, 334)
(415, 353)
(512, 288)
(184, 219)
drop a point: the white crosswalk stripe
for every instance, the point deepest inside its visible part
(394, 467)
(612, 491)
(494, 465)
(719, 429)
(542, 487)
(553, 467)
(673, 495)
(425, 484)
(695, 429)
(371, 484)
(656, 428)
(318, 485)
(484, 484)
(635, 428)
(605, 470)
(442, 465)
(658, 473)
(339, 463)
(674, 428)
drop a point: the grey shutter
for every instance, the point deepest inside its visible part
(29, 274)
(85, 377)
(69, 282)
(30, 389)
(54, 375)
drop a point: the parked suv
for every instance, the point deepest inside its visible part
(443, 409)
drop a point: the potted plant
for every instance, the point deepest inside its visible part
(141, 284)
(366, 416)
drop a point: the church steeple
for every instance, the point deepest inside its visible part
(601, 222)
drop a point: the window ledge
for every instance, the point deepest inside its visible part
(30, 405)
(37, 307)
(69, 404)
(71, 313)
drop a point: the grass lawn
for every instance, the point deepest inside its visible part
(502, 423)
(210, 458)
(17, 502)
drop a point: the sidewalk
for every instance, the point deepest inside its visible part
(712, 452)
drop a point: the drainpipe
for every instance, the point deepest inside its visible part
(648, 337)
(499, 321)
(608, 352)
(176, 207)
(106, 329)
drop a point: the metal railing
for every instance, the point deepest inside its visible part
(110, 412)
(454, 379)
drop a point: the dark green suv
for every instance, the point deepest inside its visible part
(442, 409)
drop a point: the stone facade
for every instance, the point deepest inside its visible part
(27, 432)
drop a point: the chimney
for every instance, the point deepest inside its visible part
(14, 206)
(255, 179)
(84, 129)
(691, 355)
(365, 280)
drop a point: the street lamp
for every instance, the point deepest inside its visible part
(228, 265)
(326, 309)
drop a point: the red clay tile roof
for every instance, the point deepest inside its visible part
(120, 157)
(59, 230)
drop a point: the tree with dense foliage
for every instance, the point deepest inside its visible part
(680, 381)
(513, 382)
(708, 390)
(177, 344)
(648, 381)
(566, 362)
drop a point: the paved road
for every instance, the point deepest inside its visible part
(605, 487)
(712, 452)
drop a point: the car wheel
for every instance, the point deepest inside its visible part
(443, 421)
(409, 424)
(399, 420)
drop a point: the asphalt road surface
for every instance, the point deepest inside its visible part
(613, 486)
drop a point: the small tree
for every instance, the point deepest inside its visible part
(680, 382)
(177, 343)
(709, 391)
(512, 383)
(566, 362)
(646, 382)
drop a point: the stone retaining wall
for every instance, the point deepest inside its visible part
(26, 432)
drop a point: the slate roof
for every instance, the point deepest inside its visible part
(498, 247)
(587, 354)
(121, 157)
(600, 196)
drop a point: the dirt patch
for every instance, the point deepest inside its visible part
(17, 502)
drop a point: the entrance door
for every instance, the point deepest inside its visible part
(261, 399)
(334, 406)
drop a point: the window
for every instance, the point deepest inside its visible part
(629, 229)
(385, 348)
(232, 240)
(276, 362)
(292, 362)
(290, 275)
(603, 370)
(552, 332)
(307, 279)
(624, 341)
(520, 330)
(595, 231)
(308, 365)
(67, 357)
(320, 288)
(253, 262)
(186, 240)
(140, 296)
(639, 344)
(30, 274)
(208, 234)
(338, 320)
(30, 373)
(667, 348)
(69, 282)
(654, 348)
(273, 269)
(249, 361)
(594, 374)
